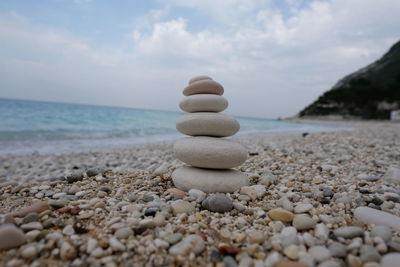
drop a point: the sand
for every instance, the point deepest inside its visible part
(304, 188)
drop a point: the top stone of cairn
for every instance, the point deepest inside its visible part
(199, 78)
(203, 86)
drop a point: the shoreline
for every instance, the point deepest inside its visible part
(118, 159)
(130, 214)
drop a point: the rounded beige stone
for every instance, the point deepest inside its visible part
(210, 152)
(199, 78)
(203, 87)
(281, 215)
(207, 124)
(204, 103)
(208, 180)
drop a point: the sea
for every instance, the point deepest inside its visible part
(28, 127)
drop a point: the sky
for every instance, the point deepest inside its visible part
(272, 57)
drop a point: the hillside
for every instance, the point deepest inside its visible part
(369, 93)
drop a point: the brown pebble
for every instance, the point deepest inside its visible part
(202, 235)
(291, 264)
(64, 209)
(9, 219)
(176, 192)
(75, 210)
(228, 249)
(180, 230)
(35, 207)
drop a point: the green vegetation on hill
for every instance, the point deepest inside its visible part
(370, 93)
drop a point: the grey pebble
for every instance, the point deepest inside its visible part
(372, 178)
(72, 178)
(31, 217)
(338, 250)
(244, 198)
(106, 189)
(56, 204)
(291, 239)
(49, 193)
(229, 261)
(327, 192)
(319, 253)
(147, 198)
(329, 263)
(395, 246)
(174, 238)
(123, 233)
(383, 232)
(217, 203)
(349, 232)
(368, 253)
(94, 171)
(303, 222)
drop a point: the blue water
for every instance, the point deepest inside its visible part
(44, 127)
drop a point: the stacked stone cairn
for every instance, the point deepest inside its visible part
(209, 154)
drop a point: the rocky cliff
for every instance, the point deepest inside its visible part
(369, 93)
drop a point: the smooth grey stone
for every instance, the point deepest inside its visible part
(373, 216)
(49, 193)
(218, 203)
(391, 260)
(303, 222)
(395, 246)
(72, 178)
(208, 180)
(204, 103)
(182, 206)
(56, 204)
(207, 124)
(319, 253)
(123, 233)
(174, 238)
(229, 261)
(190, 244)
(209, 152)
(11, 237)
(392, 175)
(349, 232)
(368, 253)
(338, 250)
(328, 192)
(383, 232)
(94, 171)
(31, 217)
(290, 239)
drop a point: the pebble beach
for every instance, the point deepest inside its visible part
(315, 199)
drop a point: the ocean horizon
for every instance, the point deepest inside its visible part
(28, 126)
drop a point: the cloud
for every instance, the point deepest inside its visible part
(272, 59)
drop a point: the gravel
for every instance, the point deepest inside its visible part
(287, 215)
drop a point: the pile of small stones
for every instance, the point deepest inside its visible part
(210, 156)
(325, 199)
